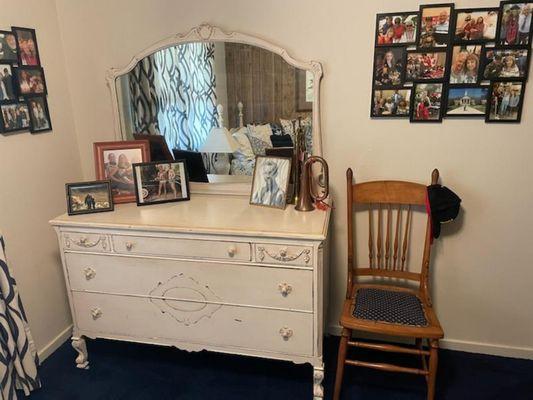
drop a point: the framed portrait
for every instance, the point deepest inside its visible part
(14, 117)
(465, 64)
(390, 103)
(7, 86)
(28, 52)
(8, 47)
(424, 66)
(396, 29)
(514, 23)
(114, 162)
(89, 197)
(270, 182)
(161, 182)
(505, 102)
(304, 90)
(39, 114)
(389, 65)
(426, 102)
(505, 64)
(436, 21)
(477, 25)
(467, 101)
(30, 80)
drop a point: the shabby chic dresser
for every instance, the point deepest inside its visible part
(210, 273)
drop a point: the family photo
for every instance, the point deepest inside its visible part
(15, 117)
(425, 66)
(435, 26)
(427, 102)
(30, 80)
(88, 197)
(515, 25)
(388, 66)
(159, 182)
(27, 46)
(506, 63)
(7, 90)
(478, 25)
(467, 101)
(271, 181)
(396, 28)
(39, 116)
(8, 47)
(465, 64)
(505, 102)
(391, 103)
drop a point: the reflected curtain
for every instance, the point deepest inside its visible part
(18, 357)
(173, 94)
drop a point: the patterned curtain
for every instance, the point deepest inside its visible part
(18, 357)
(173, 94)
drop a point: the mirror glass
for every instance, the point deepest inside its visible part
(218, 105)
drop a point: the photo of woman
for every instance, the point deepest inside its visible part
(28, 53)
(8, 47)
(465, 64)
(30, 80)
(506, 64)
(396, 28)
(270, 182)
(427, 102)
(39, 116)
(505, 102)
(388, 66)
(476, 25)
(515, 24)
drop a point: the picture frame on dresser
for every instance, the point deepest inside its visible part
(270, 181)
(89, 197)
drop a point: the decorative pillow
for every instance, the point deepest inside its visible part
(245, 150)
(259, 136)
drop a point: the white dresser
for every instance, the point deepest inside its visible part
(212, 273)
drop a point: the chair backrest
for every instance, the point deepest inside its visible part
(390, 206)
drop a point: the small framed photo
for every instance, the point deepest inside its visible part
(389, 66)
(390, 103)
(8, 47)
(435, 24)
(39, 114)
(505, 64)
(270, 181)
(476, 25)
(426, 102)
(161, 182)
(114, 162)
(30, 80)
(425, 66)
(28, 52)
(505, 103)
(89, 197)
(396, 28)
(465, 64)
(467, 101)
(14, 117)
(7, 87)
(514, 25)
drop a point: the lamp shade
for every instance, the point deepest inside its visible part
(219, 141)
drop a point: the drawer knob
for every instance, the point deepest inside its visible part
(129, 246)
(96, 313)
(285, 289)
(232, 250)
(89, 273)
(285, 333)
(283, 252)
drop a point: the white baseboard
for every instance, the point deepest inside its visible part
(48, 349)
(471, 347)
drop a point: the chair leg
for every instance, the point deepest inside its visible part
(343, 346)
(433, 361)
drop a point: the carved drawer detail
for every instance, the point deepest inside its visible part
(281, 254)
(78, 241)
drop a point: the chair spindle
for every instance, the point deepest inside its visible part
(370, 238)
(379, 242)
(387, 241)
(397, 236)
(406, 237)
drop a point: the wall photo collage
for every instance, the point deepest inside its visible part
(23, 103)
(440, 62)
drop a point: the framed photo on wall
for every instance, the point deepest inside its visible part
(39, 115)
(505, 102)
(425, 66)
(30, 80)
(28, 52)
(467, 101)
(15, 117)
(476, 25)
(505, 64)
(396, 29)
(8, 47)
(465, 64)
(161, 182)
(436, 22)
(514, 23)
(390, 103)
(389, 63)
(426, 102)
(7, 85)
(89, 197)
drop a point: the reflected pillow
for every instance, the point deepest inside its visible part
(259, 136)
(244, 151)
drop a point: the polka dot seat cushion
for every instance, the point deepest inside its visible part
(388, 306)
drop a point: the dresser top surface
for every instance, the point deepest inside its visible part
(226, 215)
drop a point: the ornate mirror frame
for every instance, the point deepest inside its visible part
(209, 33)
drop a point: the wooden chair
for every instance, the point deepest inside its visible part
(389, 307)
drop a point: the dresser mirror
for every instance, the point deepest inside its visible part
(218, 99)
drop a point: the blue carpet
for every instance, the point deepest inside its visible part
(137, 372)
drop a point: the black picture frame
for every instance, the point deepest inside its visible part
(451, 60)
(34, 127)
(457, 12)
(466, 88)
(519, 106)
(19, 70)
(446, 37)
(485, 62)
(12, 59)
(427, 80)
(3, 128)
(499, 41)
(382, 51)
(10, 84)
(373, 115)
(397, 44)
(105, 185)
(412, 110)
(18, 30)
(138, 179)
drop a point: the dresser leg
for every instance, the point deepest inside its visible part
(318, 377)
(82, 361)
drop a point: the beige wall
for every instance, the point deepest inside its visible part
(482, 270)
(34, 169)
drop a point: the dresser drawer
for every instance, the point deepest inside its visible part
(259, 286)
(92, 242)
(285, 255)
(182, 247)
(215, 325)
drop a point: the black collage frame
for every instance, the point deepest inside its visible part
(24, 97)
(498, 98)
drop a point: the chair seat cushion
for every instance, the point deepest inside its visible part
(389, 306)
